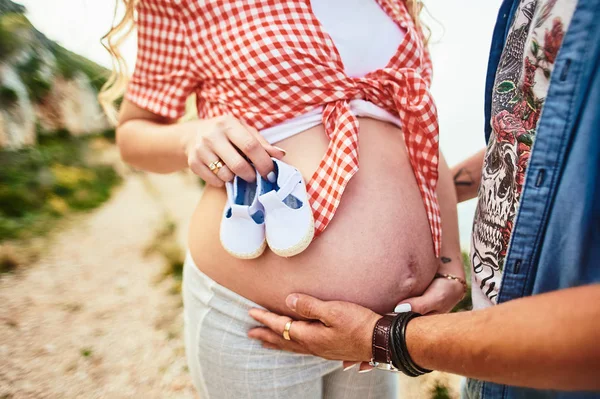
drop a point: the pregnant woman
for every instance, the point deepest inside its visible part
(304, 81)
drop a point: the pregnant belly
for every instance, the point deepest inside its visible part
(376, 252)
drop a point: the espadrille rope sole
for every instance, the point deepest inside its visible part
(252, 255)
(298, 248)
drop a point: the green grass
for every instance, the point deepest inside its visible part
(86, 352)
(68, 63)
(440, 392)
(15, 33)
(8, 97)
(37, 85)
(12, 24)
(43, 183)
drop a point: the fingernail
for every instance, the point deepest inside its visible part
(403, 308)
(350, 367)
(291, 301)
(271, 177)
(280, 149)
(364, 371)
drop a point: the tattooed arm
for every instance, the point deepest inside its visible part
(467, 176)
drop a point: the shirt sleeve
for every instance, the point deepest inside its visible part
(162, 80)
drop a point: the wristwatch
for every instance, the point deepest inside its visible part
(382, 353)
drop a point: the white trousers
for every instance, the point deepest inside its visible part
(225, 363)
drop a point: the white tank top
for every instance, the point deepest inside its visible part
(366, 39)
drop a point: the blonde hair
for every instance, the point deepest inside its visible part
(115, 86)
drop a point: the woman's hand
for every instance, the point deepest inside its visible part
(341, 330)
(440, 297)
(239, 147)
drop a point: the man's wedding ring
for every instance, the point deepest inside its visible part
(286, 330)
(215, 166)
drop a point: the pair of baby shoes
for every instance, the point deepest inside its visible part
(263, 212)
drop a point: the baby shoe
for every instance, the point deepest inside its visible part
(289, 222)
(243, 223)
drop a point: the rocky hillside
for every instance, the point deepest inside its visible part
(44, 88)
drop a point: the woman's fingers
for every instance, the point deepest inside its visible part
(440, 297)
(348, 365)
(225, 174)
(420, 304)
(240, 148)
(201, 169)
(365, 367)
(232, 158)
(248, 143)
(272, 150)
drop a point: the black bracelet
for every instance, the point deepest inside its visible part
(395, 337)
(400, 356)
(398, 361)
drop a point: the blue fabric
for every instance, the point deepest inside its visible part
(555, 243)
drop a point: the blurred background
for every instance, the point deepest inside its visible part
(90, 250)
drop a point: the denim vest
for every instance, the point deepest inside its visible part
(555, 242)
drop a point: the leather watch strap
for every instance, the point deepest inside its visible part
(381, 339)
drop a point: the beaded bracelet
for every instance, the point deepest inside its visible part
(453, 277)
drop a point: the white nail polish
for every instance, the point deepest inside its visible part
(403, 308)
(281, 149)
(350, 367)
(271, 177)
(364, 371)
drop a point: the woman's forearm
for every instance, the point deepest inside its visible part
(467, 175)
(451, 260)
(547, 341)
(153, 146)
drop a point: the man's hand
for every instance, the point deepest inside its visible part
(341, 330)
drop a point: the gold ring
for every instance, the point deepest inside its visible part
(286, 330)
(215, 166)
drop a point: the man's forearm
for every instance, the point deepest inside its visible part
(548, 341)
(467, 176)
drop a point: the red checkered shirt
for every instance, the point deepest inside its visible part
(266, 61)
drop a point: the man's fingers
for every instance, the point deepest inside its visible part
(270, 346)
(299, 330)
(310, 307)
(266, 335)
(269, 337)
(273, 321)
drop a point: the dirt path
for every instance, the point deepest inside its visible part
(90, 320)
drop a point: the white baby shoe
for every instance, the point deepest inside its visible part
(243, 223)
(289, 219)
